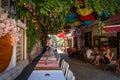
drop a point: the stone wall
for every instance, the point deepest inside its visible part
(36, 50)
(14, 72)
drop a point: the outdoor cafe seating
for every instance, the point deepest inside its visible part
(49, 68)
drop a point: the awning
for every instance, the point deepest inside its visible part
(112, 28)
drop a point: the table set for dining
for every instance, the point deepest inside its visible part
(47, 68)
(49, 58)
(47, 65)
(47, 75)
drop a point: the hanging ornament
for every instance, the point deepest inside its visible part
(88, 17)
(84, 11)
(77, 23)
(70, 16)
(104, 16)
(71, 21)
(86, 23)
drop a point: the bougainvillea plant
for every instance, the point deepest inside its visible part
(8, 26)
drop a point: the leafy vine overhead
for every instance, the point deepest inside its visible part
(48, 16)
(48, 13)
(53, 11)
(43, 17)
(109, 6)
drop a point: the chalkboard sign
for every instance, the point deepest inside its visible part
(112, 41)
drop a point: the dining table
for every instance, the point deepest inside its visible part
(48, 58)
(44, 55)
(47, 65)
(47, 75)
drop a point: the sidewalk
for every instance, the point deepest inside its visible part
(28, 70)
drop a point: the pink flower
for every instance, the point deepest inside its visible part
(9, 26)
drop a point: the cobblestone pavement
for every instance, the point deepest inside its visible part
(87, 71)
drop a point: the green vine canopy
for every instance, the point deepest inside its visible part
(48, 16)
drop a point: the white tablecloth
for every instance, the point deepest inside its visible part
(43, 75)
